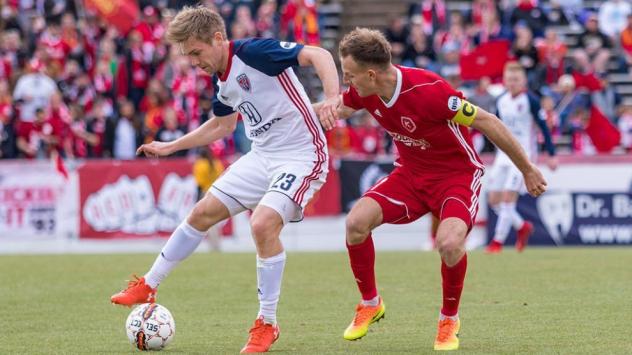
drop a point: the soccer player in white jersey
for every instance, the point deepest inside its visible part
(520, 112)
(276, 179)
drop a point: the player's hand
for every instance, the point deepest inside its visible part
(534, 180)
(328, 112)
(155, 149)
(552, 163)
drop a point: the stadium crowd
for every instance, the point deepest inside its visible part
(71, 82)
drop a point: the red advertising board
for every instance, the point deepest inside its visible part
(134, 198)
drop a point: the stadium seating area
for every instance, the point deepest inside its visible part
(71, 82)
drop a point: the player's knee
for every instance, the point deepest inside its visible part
(357, 229)
(198, 217)
(261, 229)
(449, 243)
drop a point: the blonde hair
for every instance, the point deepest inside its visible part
(514, 67)
(366, 47)
(199, 22)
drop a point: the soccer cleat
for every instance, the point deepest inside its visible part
(261, 338)
(447, 334)
(137, 291)
(523, 236)
(365, 316)
(494, 248)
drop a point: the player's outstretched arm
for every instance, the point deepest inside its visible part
(342, 111)
(210, 131)
(323, 63)
(493, 128)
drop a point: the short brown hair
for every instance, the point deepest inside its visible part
(199, 22)
(366, 47)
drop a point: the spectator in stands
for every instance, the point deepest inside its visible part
(299, 22)
(397, 34)
(243, 17)
(626, 42)
(267, 20)
(625, 127)
(206, 169)
(481, 96)
(595, 44)
(556, 16)
(7, 122)
(551, 52)
(366, 135)
(491, 29)
(607, 99)
(136, 67)
(418, 50)
(612, 17)
(568, 101)
(33, 90)
(35, 138)
(433, 13)
(551, 117)
(124, 136)
(528, 12)
(96, 126)
(11, 54)
(523, 49)
(170, 131)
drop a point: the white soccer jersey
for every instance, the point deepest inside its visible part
(260, 84)
(520, 114)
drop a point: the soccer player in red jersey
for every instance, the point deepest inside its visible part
(438, 170)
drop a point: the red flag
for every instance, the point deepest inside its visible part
(488, 59)
(60, 166)
(120, 13)
(604, 135)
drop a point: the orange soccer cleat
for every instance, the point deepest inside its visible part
(447, 334)
(494, 247)
(523, 236)
(262, 336)
(137, 291)
(365, 316)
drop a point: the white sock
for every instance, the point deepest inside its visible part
(503, 224)
(180, 245)
(454, 317)
(269, 276)
(516, 219)
(372, 302)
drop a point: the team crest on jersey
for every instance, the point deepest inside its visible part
(244, 82)
(408, 123)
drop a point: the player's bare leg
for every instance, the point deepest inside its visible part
(266, 225)
(365, 215)
(451, 245)
(494, 199)
(182, 243)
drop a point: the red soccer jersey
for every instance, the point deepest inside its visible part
(419, 118)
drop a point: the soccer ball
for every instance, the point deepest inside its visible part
(150, 326)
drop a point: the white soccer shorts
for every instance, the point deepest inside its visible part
(285, 185)
(505, 177)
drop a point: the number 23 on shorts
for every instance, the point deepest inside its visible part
(283, 181)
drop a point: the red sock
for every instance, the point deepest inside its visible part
(362, 259)
(452, 286)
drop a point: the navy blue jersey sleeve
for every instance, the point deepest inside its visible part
(219, 108)
(268, 55)
(534, 106)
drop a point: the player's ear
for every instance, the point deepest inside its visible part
(372, 74)
(218, 37)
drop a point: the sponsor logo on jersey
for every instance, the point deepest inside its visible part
(287, 45)
(263, 129)
(244, 82)
(249, 111)
(411, 142)
(454, 103)
(408, 123)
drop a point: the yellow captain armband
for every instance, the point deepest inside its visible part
(465, 114)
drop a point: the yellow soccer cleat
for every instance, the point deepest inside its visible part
(365, 316)
(448, 335)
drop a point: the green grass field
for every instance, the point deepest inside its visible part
(543, 301)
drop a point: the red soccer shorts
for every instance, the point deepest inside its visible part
(404, 196)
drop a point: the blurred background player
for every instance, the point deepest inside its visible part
(288, 162)
(206, 169)
(520, 112)
(438, 170)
